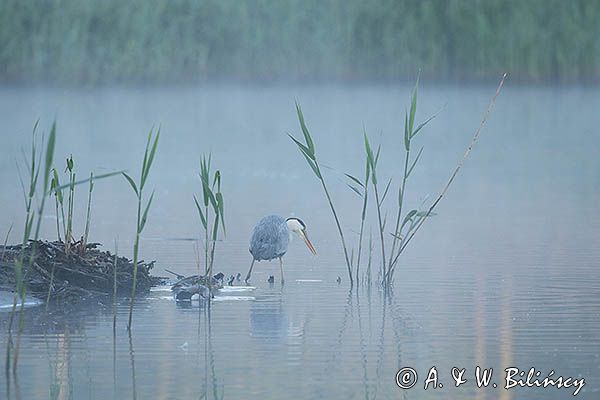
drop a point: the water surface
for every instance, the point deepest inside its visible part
(505, 275)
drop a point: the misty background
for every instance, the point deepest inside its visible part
(173, 41)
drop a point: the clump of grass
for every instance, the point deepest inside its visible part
(34, 167)
(308, 151)
(407, 223)
(138, 189)
(211, 196)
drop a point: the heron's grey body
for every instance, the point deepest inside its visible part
(270, 238)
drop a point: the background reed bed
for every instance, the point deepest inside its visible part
(297, 40)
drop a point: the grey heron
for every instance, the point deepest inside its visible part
(270, 239)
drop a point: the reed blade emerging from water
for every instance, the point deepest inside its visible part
(138, 189)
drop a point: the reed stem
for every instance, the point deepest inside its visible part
(88, 214)
(141, 219)
(5, 242)
(339, 227)
(136, 247)
(206, 262)
(397, 233)
(115, 288)
(360, 234)
(381, 227)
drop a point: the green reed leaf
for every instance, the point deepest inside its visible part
(132, 183)
(213, 201)
(221, 213)
(385, 192)
(58, 189)
(307, 137)
(359, 183)
(355, 189)
(414, 162)
(413, 107)
(217, 180)
(422, 125)
(313, 165)
(145, 161)
(367, 171)
(150, 159)
(406, 133)
(145, 215)
(215, 229)
(408, 218)
(96, 177)
(49, 154)
(202, 217)
(310, 154)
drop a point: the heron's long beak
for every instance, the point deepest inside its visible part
(308, 243)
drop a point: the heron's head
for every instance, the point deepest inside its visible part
(298, 227)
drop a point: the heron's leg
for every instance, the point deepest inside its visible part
(281, 269)
(249, 271)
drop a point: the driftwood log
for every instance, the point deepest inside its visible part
(83, 270)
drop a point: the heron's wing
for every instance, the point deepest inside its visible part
(283, 235)
(269, 239)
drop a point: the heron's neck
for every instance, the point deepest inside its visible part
(293, 227)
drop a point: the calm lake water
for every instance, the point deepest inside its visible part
(506, 275)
